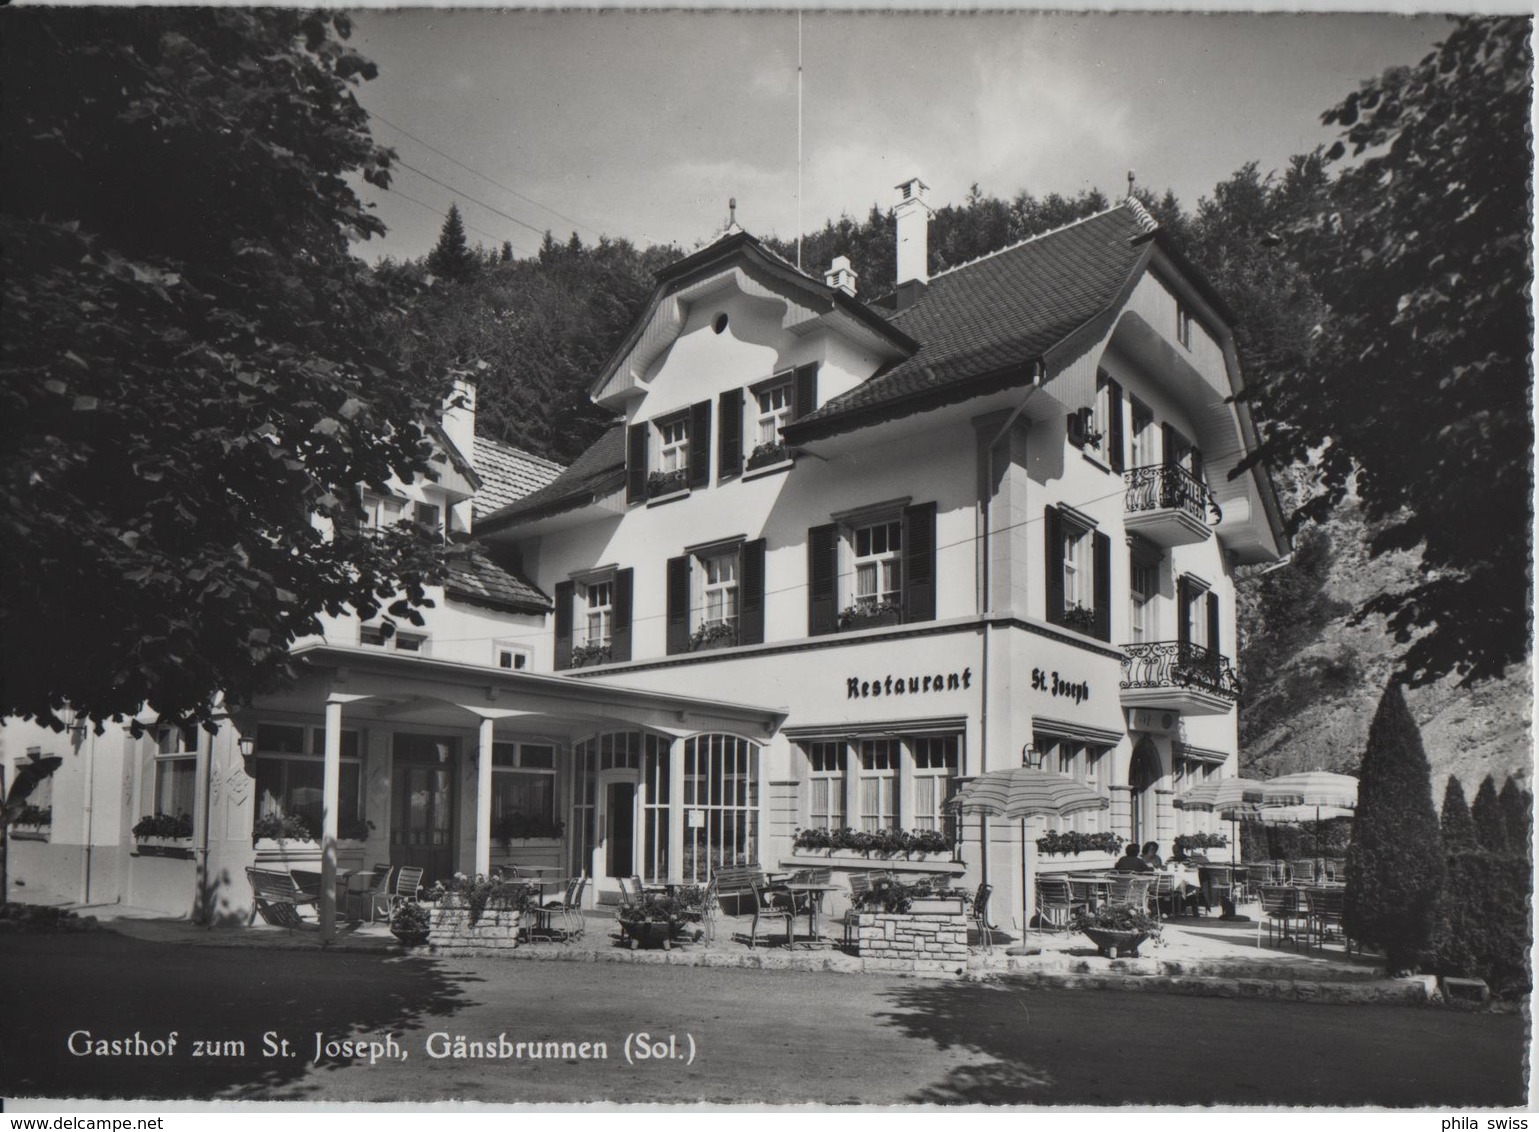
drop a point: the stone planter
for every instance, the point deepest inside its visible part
(1115, 944)
(411, 937)
(652, 933)
(495, 930)
(930, 941)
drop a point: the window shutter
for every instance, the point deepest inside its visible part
(1197, 463)
(1213, 622)
(919, 563)
(729, 451)
(566, 595)
(1184, 602)
(1101, 558)
(636, 464)
(1114, 437)
(1052, 533)
(1169, 445)
(804, 392)
(750, 586)
(700, 444)
(822, 580)
(678, 604)
(620, 633)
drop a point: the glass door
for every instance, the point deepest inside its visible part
(422, 804)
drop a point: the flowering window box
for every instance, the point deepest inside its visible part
(713, 635)
(178, 848)
(584, 656)
(871, 615)
(767, 456)
(665, 485)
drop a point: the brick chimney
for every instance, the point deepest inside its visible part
(841, 275)
(912, 213)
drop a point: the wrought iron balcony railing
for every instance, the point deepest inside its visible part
(1171, 664)
(1162, 487)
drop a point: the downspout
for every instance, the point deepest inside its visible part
(90, 806)
(986, 601)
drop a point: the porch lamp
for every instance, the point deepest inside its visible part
(1032, 757)
(247, 745)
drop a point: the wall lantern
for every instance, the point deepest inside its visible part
(1032, 757)
(247, 745)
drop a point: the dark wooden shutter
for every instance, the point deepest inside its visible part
(1213, 622)
(729, 450)
(750, 593)
(1184, 600)
(678, 604)
(1101, 558)
(1115, 440)
(566, 594)
(822, 580)
(804, 392)
(1170, 444)
(1197, 463)
(919, 563)
(700, 444)
(636, 464)
(620, 633)
(1052, 534)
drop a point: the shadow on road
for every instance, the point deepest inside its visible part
(118, 987)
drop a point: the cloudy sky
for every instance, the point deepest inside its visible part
(642, 125)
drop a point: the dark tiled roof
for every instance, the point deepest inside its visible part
(508, 473)
(993, 317)
(596, 472)
(476, 578)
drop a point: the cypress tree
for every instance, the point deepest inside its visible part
(1395, 861)
(1490, 823)
(1518, 816)
(1457, 825)
(451, 258)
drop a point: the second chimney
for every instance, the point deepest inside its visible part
(841, 275)
(912, 214)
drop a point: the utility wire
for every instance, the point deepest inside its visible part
(466, 196)
(436, 212)
(489, 180)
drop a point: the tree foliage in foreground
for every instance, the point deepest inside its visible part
(1416, 390)
(192, 371)
(1395, 860)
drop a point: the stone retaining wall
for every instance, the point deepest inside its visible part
(454, 934)
(927, 941)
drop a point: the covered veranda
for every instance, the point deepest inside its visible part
(419, 742)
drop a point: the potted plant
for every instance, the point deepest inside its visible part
(1117, 930)
(656, 920)
(713, 635)
(764, 455)
(870, 614)
(411, 923)
(667, 483)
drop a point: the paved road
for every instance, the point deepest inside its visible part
(758, 1036)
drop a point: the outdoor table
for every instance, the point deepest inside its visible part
(310, 881)
(814, 892)
(1096, 885)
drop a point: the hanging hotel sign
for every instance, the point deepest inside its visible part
(858, 689)
(1058, 688)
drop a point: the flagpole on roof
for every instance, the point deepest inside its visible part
(798, 140)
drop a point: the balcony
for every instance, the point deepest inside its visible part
(1168, 505)
(1180, 677)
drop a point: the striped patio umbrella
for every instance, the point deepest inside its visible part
(1312, 788)
(1233, 798)
(1023, 792)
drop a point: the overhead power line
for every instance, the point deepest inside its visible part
(439, 212)
(467, 197)
(489, 180)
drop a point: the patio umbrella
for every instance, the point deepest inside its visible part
(1318, 788)
(1234, 798)
(1020, 792)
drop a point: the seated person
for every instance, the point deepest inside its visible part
(1151, 855)
(1131, 862)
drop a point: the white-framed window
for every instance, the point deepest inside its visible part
(718, 598)
(878, 784)
(290, 772)
(382, 511)
(1100, 417)
(1082, 762)
(774, 404)
(1142, 453)
(937, 760)
(825, 773)
(673, 452)
(523, 791)
(877, 552)
(176, 770)
(1144, 587)
(1183, 325)
(511, 656)
(399, 641)
(598, 611)
(1078, 566)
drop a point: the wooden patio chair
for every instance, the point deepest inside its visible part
(743, 890)
(279, 898)
(1279, 906)
(374, 898)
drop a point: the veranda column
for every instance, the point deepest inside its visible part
(484, 800)
(331, 789)
(676, 815)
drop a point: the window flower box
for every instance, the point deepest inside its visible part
(660, 484)
(176, 848)
(871, 615)
(857, 845)
(713, 635)
(1080, 619)
(767, 455)
(587, 655)
(520, 827)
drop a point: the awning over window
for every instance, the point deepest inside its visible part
(1075, 732)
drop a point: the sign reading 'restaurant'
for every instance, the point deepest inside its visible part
(858, 689)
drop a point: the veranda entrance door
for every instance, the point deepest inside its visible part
(422, 803)
(617, 853)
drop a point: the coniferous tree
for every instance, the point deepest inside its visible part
(1490, 823)
(452, 258)
(1457, 825)
(1395, 861)
(1518, 816)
